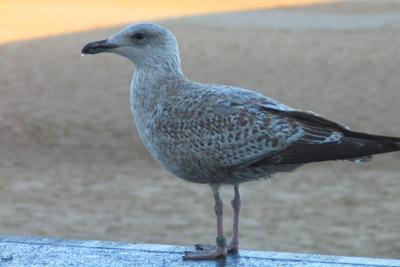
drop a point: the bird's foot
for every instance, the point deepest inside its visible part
(204, 247)
(233, 248)
(205, 252)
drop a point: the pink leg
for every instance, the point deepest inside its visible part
(234, 245)
(220, 250)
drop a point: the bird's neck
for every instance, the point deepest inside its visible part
(151, 84)
(160, 65)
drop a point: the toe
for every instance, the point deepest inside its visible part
(233, 249)
(204, 247)
(206, 255)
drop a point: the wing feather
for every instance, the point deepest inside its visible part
(231, 127)
(226, 126)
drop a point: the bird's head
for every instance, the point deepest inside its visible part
(143, 43)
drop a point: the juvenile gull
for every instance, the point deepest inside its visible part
(218, 134)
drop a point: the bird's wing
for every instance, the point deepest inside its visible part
(231, 127)
(234, 127)
(327, 140)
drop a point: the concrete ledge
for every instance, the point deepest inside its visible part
(37, 251)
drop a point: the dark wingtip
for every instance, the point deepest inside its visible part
(397, 144)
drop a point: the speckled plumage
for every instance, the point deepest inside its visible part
(210, 133)
(217, 134)
(203, 132)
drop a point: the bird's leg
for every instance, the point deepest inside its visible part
(220, 250)
(234, 245)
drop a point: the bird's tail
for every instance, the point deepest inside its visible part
(353, 146)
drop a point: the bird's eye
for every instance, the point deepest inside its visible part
(138, 36)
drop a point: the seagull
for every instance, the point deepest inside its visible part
(218, 134)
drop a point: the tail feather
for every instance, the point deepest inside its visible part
(352, 146)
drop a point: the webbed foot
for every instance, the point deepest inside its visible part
(206, 254)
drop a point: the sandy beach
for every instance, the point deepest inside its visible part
(28, 19)
(72, 164)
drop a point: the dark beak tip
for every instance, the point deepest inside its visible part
(97, 47)
(86, 49)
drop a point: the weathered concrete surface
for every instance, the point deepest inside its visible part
(36, 251)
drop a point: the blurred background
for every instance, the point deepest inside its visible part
(72, 165)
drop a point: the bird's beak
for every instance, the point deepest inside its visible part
(98, 47)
